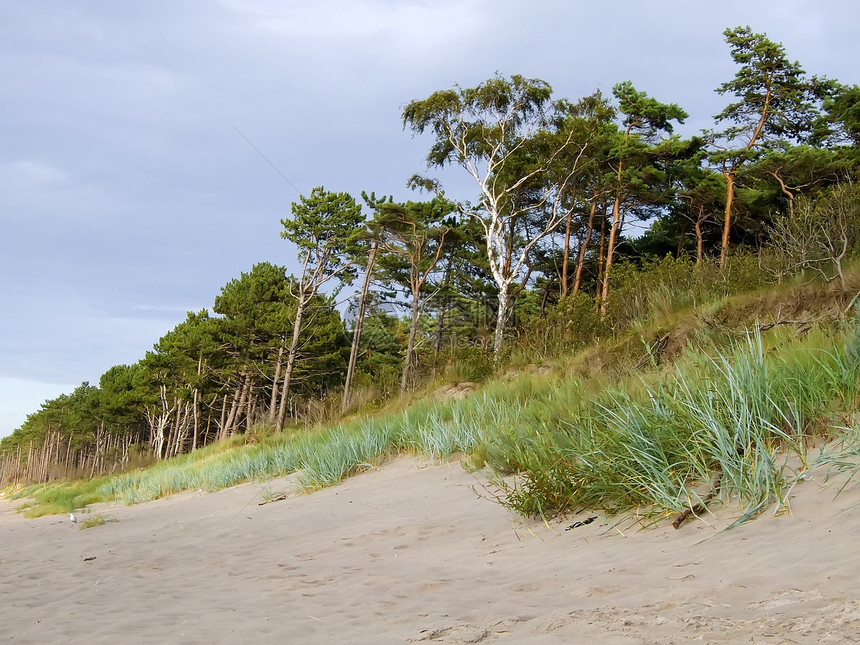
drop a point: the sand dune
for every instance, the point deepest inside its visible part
(410, 553)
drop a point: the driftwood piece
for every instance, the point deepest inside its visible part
(276, 498)
(698, 508)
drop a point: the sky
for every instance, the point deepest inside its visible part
(133, 183)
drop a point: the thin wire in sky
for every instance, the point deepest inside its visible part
(259, 152)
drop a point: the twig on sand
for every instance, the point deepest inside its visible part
(698, 508)
(276, 498)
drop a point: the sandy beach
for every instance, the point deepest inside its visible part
(416, 552)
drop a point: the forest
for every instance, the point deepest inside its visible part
(587, 216)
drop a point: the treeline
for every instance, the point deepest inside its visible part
(540, 260)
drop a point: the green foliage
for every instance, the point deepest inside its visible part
(645, 114)
(466, 115)
(661, 286)
(326, 227)
(568, 325)
(841, 124)
(775, 98)
(469, 365)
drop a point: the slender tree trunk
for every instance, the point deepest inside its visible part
(501, 319)
(727, 218)
(208, 430)
(610, 253)
(252, 407)
(158, 423)
(174, 437)
(700, 243)
(544, 299)
(291, 359)
(583, 247)
(194, 409)
(786, 192)
(566, 260)
(223, 421)
(359, 323)
(237, 395)
(276, 380)
(196, 402)
(410, 344)
(600, 263)
(243, 403)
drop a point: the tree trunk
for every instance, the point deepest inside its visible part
(243, 402)
(196, 403)
(727, 219)
(610, 253)
(544, 299)
(223, 420)
(359, 322)
(566, 260)
(158, 423)
(700, 243)
(195, 407)
(600, 261)
(410, 345)
(291, 359)
(174, 438)
(237, 395)
(273, 401)
(501, 318)
(583, 247)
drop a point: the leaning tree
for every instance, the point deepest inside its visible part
(776, 101)
(325, 228)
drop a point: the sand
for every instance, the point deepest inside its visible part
(410, 553)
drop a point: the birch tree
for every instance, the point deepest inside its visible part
(505, 133)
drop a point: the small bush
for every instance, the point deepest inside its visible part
(469, 365)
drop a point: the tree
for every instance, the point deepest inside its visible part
(121, 402)
(701, 191)
(645, 119)
(325, 228)
(821, 233)
(258, 309)
(776, 101)
(840, 125)
(585, 192)
(359, 323)
(361, 307)
(506, 134)
(412, 238)
(799, 169)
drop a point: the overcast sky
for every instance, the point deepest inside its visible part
(127, 196)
